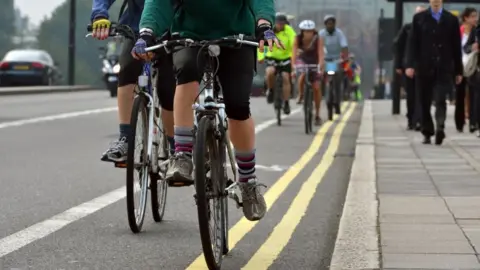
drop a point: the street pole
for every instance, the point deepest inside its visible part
(71, 43)
(397, 78)
(381, 84)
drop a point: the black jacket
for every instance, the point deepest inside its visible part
(400, 44)
(467, 48)
(434, 48)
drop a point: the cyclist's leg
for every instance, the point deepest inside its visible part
(127, 79)
(338, 90)
(301, 87)
(235, 75)
(188, 75)
(270, 80)
(287, 86)
(166, 92)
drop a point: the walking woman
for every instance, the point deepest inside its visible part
(473, 82)
(464, 94)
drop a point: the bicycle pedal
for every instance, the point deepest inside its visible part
(178, 184)
(120, 165)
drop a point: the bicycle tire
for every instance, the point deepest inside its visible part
(159, 187)
(307, 109)
(139, 109)
(205, 142)
(278, 98)
(328, 90)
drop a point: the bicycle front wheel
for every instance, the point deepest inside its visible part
(137, 165)
(158, 185)
(209, 189)
(307, 109)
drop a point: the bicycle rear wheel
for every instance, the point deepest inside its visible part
(137, 165)
(307, 108)
(209, 189)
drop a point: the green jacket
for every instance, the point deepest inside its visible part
(206, 19)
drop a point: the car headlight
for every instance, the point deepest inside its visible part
(116, 68)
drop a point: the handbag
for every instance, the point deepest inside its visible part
(470, 62)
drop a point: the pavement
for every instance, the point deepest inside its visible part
(62, 208)
(409, 205)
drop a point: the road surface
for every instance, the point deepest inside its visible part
(62, 208)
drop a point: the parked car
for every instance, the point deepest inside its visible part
(28, 67)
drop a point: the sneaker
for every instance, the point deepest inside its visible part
(269, 96)
(254, 205)
(318, 121)
(286, 108)
(180, 170)
(117, 151)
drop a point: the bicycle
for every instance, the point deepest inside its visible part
(278, 87)
(211, 148)
(331, 69)
(154, 153)
(311, 71)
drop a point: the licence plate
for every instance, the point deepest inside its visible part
(21, 67)
(112, 79)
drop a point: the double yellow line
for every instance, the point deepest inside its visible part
(282, 233)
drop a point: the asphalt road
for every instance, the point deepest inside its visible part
(54, 213)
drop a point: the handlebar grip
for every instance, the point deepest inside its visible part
(89, 28)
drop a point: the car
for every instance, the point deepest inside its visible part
(28, 68)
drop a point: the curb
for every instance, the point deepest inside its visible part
(357, 243)
(10, 91)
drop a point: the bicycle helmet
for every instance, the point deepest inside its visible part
(328, 18)
(307, 25)
(281, 18)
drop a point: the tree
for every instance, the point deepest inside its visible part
(7, 26)
(53, 37)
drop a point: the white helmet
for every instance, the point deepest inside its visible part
(329, 17)
(307, 25)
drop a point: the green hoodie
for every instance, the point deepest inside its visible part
(206, 19)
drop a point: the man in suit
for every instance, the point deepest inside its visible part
(434, 58)
(413, 107)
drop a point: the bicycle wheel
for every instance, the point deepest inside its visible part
(209, 189)
(137, 167)
(278, 97)
(328, 90)
(307, 108)
(158, 185)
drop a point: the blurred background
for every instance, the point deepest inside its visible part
(44, 24)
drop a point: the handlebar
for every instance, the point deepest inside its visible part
(116, 30)
(186, 42)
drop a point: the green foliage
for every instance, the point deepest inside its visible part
(7, 26)
(53, 37)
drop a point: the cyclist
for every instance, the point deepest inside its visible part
(130, 69)
(281, 59)
(355, 82)
(336, 47)
(309, 48)
(235, 74)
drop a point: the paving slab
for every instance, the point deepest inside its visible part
(429, 196)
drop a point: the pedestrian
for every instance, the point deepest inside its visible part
(471, 46)
(464, 95)
(434, 57)
(400, 42)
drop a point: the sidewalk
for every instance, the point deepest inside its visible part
(421, 207)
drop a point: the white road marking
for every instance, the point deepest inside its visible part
(55, 117)
(42, 229)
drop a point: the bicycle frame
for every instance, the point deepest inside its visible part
(145, 83)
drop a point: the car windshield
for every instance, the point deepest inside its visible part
(23, 56)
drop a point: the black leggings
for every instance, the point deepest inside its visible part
(131, 68)
(235, 74)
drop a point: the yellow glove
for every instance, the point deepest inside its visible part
(101, 28)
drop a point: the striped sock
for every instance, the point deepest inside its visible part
(246, 164)
(183, 140)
